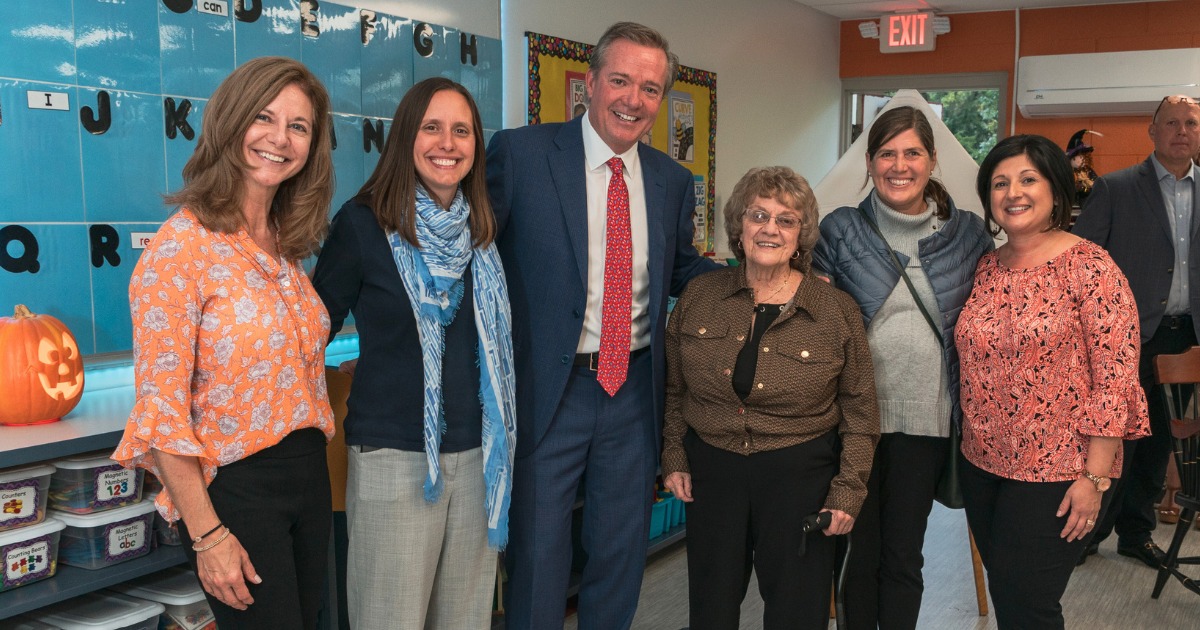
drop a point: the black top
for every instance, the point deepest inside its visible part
(356, 272)
(747, 359)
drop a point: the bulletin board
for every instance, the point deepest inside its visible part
(101, 103)
(686, 129)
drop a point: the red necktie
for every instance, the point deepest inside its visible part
(618, 285)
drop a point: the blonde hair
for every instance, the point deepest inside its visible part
(214, 177)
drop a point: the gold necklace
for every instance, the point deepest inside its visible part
(773, 294)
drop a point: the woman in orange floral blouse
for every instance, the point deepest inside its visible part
(1049, 346)
(229, 350)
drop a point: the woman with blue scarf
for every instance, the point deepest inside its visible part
(430, 430)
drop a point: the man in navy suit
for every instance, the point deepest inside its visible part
(551, 187)
(1147, 219)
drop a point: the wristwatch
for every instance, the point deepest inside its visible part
(1102, 483)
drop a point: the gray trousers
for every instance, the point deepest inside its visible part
(415, 565)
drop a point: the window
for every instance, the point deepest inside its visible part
(970, 105)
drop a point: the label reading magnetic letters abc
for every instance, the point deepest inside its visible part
(125, 539)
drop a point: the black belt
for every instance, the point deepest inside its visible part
(591, 360)
(1175, 322)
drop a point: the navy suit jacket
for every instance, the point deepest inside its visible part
(536, 181)
(1125, 214)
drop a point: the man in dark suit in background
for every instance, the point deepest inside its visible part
(1147, 219)
(595, 230)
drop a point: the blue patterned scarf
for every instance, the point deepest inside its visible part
(432, 277)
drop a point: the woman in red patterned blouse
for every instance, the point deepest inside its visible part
(1048, 344)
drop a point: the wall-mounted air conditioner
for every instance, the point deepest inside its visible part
(1105, 84)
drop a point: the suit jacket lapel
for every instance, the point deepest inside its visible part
(1195, 213)
(1148, 185)
(567, 166)
(655, 184)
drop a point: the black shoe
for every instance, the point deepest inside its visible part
(1147, 552)
(1091, 549)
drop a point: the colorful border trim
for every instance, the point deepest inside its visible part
(578, 51)
(555, 47)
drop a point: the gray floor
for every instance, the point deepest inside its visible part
(1107, 592)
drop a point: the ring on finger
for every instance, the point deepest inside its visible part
(1091, 522)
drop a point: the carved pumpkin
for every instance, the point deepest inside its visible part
(41, 370)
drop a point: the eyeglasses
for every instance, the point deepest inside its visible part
(783, 221)
(1173, 100)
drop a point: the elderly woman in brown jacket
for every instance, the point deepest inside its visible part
(771, 412)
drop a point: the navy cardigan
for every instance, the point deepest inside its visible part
(357, 273)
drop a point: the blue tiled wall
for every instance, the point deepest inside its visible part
(78, 180)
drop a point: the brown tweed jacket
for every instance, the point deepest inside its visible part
(814, 373)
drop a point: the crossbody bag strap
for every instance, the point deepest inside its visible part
(900, 267)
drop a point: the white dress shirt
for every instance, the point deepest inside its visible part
(1177, 197)
(596, 155)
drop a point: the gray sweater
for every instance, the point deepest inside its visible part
(910, 376)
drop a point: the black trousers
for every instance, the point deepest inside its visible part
(1028, 564)
(883, 585)
(277, 503)
(747, 516)
(1144, 467)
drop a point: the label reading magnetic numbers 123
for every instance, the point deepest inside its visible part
(47, 100)
(116, 484)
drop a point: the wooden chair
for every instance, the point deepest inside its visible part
(1179, 377)
(981, 601)
(339, 391)
(977, 571)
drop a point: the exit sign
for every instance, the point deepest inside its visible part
(906, 32)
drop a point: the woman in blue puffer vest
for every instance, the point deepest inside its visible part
(908, 220)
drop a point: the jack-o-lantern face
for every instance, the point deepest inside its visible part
(60, 378)
(41, 370)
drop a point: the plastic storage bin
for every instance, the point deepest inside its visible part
(101, 611)
(164, 533)
(179, 592)
(92, 482)
(94, 541)
(674, 510)
(25, 623)
(658, 518)
(29, 553)
(23, 493)
(150, 483)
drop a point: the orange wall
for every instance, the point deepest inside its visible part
(985, 42)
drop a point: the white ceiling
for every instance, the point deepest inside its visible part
(862, 9)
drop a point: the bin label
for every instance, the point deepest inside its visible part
(115, 485)
(27, 561)
(19, 502)
(126, 539)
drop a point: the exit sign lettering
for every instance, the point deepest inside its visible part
(906, 32)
